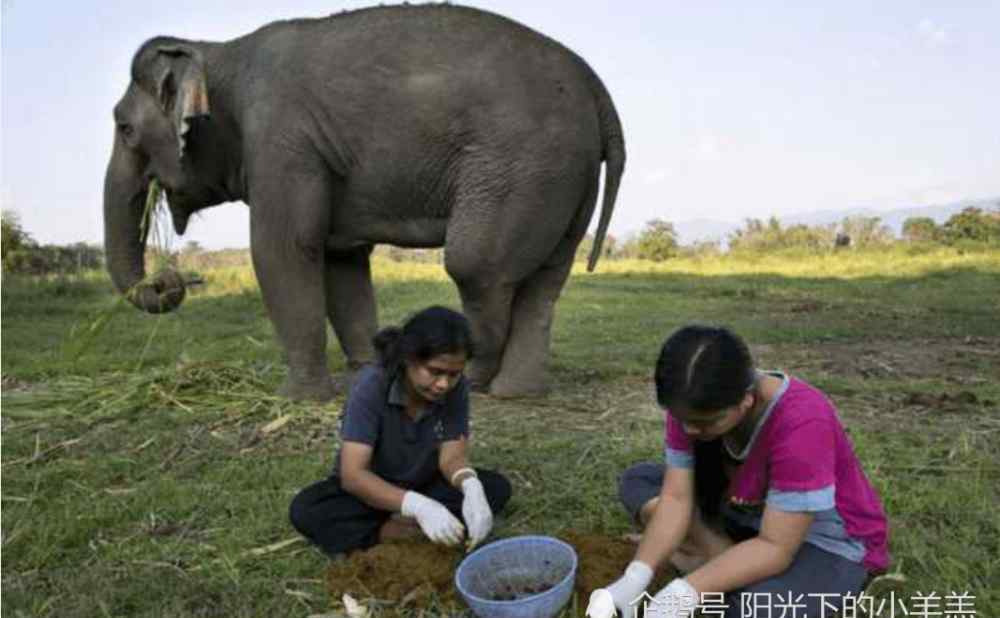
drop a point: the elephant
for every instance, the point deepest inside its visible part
(414, 126)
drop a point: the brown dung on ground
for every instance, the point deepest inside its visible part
(416, 573)
(412, 572)
(602, 559)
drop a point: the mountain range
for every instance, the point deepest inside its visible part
(697, 230)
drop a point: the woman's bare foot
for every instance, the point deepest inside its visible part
(398, 527)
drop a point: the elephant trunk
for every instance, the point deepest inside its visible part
(125, 239)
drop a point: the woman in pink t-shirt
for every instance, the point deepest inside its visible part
(761, 500)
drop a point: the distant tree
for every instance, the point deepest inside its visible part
(628, 247)
(920, 229)
(657, 241)
(16, 245)
(14, 236)
(702, 249)
(803, 236)
(866, 231)
(973, 224)
(755, 235)
(192, 247)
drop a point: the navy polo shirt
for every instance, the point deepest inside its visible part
(405, 449)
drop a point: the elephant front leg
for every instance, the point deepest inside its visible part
(350, 304)
(288, 257)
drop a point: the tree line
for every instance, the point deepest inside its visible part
(657, 241)
(22, 254)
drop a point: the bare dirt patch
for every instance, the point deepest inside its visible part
(966, 360)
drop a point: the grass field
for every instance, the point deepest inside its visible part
(148, 466)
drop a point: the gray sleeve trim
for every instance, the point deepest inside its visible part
(679, 459)
(799, 501)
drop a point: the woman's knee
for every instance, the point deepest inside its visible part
(498, 489)
(300, 511)
(640, 484)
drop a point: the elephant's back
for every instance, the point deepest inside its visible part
(412, 29)
(392, 51)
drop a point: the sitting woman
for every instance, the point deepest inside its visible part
(404, 452)
(761, 498)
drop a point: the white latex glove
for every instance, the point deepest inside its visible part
(677, 600)
(620, 594)
(476, 511)
(435, 520)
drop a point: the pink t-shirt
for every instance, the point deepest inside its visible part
(802, 460)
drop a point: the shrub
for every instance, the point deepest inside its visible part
(657, 241)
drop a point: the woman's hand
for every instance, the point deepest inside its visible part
(677, 600)
(621, 593)
(476, 511)
(435, 520)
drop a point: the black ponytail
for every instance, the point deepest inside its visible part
(387, 347)
(434, 331)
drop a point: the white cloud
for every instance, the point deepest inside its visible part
(933, 34)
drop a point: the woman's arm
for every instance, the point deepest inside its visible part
(452, 457)
(671, 519)
(357, 478)
(764, 556)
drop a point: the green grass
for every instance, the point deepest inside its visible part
(144, 474)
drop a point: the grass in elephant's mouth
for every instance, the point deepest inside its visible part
(164, 490)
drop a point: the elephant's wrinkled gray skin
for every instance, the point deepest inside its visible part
(416, 126)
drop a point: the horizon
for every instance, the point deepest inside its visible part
(729, 112)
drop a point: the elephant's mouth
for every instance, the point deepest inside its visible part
(179, 212)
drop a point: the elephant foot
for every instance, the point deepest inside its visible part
(321, 390)
(505, 388)
(479, 377)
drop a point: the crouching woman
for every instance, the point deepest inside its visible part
(403, 462)
(761, 498)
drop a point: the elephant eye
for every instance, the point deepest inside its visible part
(126, 129)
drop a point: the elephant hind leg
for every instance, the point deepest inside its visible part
(512, 235)
(487, 306)
(524, 367)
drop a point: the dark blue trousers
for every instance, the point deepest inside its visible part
(339, 522)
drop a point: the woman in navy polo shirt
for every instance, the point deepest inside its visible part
(405, 435)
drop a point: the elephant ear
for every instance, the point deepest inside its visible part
(181, 88)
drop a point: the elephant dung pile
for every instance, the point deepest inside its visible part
(400, 573)
(419, 574)
(602, 559)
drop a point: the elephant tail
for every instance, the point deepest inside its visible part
(613, 154)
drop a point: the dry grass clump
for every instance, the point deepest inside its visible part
(192, 387)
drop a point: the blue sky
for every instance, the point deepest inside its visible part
(730, 109)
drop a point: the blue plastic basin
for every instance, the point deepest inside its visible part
(520, 577)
